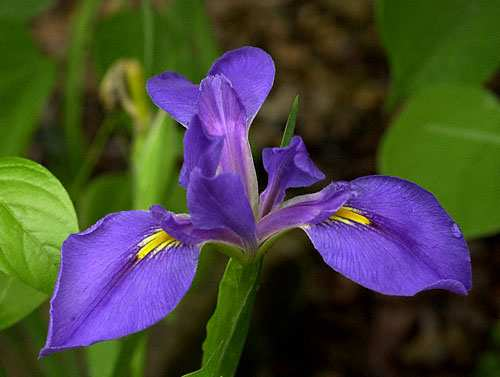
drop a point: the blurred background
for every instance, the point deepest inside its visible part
(405, 88)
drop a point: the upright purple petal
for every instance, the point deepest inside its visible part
(220, 203)
(118, 277)
(223, 116)
(311, 209)
(251, 73)
(286, 167)
(394, 238)
(201, 151)
(174, 94)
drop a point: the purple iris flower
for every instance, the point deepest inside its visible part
(130, 269)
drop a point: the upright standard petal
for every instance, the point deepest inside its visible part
(312, 208)
(286, 167)
(220, 203)
(251, 73)
(223, 116)
(394, 238)
(118, 277)
(201, 151)
(174, 94)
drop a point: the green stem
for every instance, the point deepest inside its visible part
(131, 359)
(234, 252)
(93, 154)
(73, 87)
(148, 22)
(228, 327)
(268, 244)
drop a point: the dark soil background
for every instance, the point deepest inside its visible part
(309, 320)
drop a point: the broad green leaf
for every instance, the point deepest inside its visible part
(105, 194)
(228, 327)
(17, 300)
(36, 215)
(22, 9)
(447, 139)
(154, 160)
(446, 41)
(26, 80)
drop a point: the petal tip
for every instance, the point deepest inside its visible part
(451, 285)
(47, 351)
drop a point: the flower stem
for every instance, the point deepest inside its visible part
(73, 88)
(228, 327)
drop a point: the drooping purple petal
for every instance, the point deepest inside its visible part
(116, 278)
(223, 116)
(286, 167)
(181, 228)
(251, 73)
(220, 203)
(310, 209)
(394, 238)
(201, 151)
(174, 94)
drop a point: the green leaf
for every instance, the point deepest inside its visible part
(36, 215)
(180, 33)
(121, 36)
(228, 327)
(447, 139)
(122, 358)
(22, 10)
(17, 300)
(290, 123)
(191, 34)
(432, 42)
(26, 80)
(80, 35)
(154, 160)
(102, 358)
(176, 198)
(105, 194)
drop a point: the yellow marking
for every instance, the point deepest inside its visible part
(349, 215)
(156, 242)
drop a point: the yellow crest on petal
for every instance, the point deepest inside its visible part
(349, 215)
(155, 243)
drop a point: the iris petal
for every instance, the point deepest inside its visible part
(222, 116)
(175, 94)
(249, 69)
(118, 277)
(181, 227)
(251, 73)
(219, 203)
(394, 238)
(311, 209)
(286, 167)
(201, 151)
